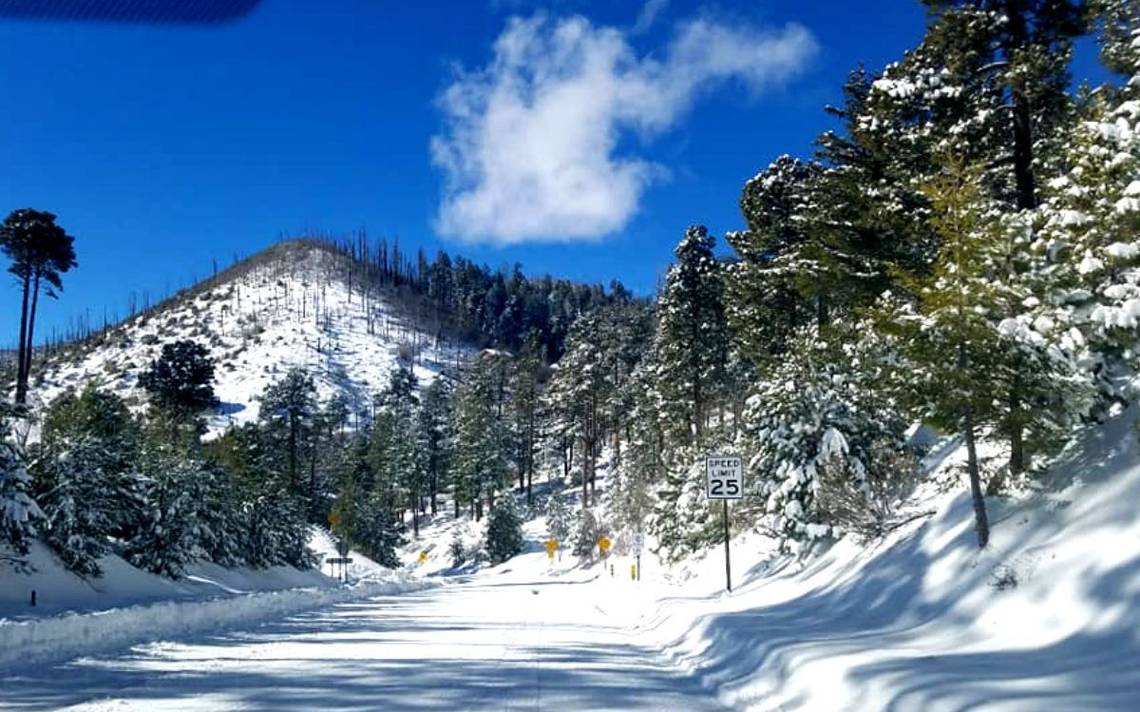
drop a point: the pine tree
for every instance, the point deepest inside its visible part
(586, 533)
(504, 531)
(398, 466)
(18, 511)
(167, 536)
(951, 338)
(641, 467)
(527, 375)
(435, 439)
(558, 519)
(288, 409)
(1089, 306)
(480, 462)
(40, 251)
(683, 520)
(988, 85)
(692, 336)
(816, 411)
(181, 378)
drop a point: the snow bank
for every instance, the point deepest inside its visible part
(76, 634)
(1047, 617)
(76, 616)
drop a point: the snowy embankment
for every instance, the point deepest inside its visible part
(128, 606)
(1047, 617)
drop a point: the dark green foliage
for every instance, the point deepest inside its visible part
(504, 531)
(18, 511)
(182, 378)
(85, 479)
(692, 335)
(40, 251)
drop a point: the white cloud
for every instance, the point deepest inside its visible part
(648, 15)
(529, 146)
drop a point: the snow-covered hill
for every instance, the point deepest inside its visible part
(289, 306)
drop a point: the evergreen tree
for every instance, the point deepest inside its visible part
(288, 409)
(40, 251)
(816, 411)
(435, 439)
(558, 519)
(404, 471)
(642, 465)
(480, 462)
(504, 531)
(18, 511)
(85, 478)
(527, 376)
(683, 520)
(586, 533)
(950, 339)
(692, 337)
(167, 535)
(181, 378)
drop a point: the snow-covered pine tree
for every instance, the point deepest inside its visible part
(219, 516)
(18, 511)
(504, 531)
(1087, 226)
(950, 337)
(987, 85)
(558, 519)
(818, 409)
(166, 537)
(692, 341)
(85, 478)
(481, 456)
(435, 439)
(288, 409)
(457, 551)
(399, 468)
(528, 375)
(641, 465)
(376, 531)
(586, 533)
(683, 521)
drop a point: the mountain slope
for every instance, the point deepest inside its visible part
(292, 305)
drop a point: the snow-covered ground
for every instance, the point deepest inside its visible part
(1048, 617)
(293, 310)
(74, 616)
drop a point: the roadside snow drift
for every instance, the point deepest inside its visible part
(75, 617)
(1047, 617)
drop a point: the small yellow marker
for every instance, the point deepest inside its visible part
(423, 557)
(604, 545)
(551, 547)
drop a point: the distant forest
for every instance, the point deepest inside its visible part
(488, 308)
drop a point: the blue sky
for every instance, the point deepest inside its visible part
(577, 138)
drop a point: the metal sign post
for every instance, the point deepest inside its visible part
(638, 545)
(725, 481)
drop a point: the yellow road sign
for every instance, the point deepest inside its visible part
(604, 544)
(551, 547)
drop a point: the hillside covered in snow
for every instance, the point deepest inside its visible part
(294, 305)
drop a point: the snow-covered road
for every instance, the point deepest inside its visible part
(490, 643)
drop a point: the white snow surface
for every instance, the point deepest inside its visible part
(1047, 617)
(74, 616)
(294, 309)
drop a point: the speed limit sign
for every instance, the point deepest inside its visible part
(725, 477)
